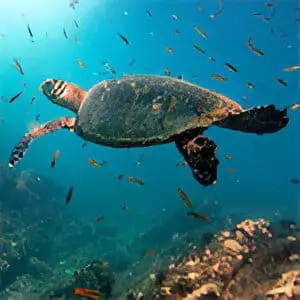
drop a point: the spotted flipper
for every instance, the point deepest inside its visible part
(259, 120)
(21, 148)
(200, 154)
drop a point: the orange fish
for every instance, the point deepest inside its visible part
(55, 157)
(136, 180)
(80, 63)
(295, 106)
(253, 49)
(292, 68)
(231, 170)
(91, 294)
(201, 32)
(219, 77)
(185, 198)
(18, 66)
(94, 163)
(170, 50)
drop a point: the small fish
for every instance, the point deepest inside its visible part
(32, 100)
(180, 77)
(201, 32)
(170, 50)
(91, 294)
(228, 156)
(73, 4)
(196, 47)
(11, 100)
(120, 176)
(80, 63)
(69, 195)
(84, 145)
(295, 106)
(250, 85)
(253, 49)
(181, 163)
(125, 207)
(149, 253)
(76, 39)
(76, 23)
(29, 31)
(219, 11)
(174, 17)
(269, 4)
(55, 157)
(198, 216)
(219, 77)
(212, 59)
(140, 159)
(123, 38)
(109, 68)
(149, 13)
(38, 116)
(65, 33)
(99, 219)
(167, 71)
(231, 170)
(231, 67)
(295, 181)
(136, 180)
(292, 68)
(18, 66)
(280, 81)
(94, 163)
(185, 198)
(132, 63)
(245, 98)
(177, 32)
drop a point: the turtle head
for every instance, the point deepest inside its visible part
(63, 93)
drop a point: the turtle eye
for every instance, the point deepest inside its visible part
(47, 87)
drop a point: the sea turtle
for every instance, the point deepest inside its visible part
(146, 110)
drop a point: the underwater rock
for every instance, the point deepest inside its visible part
(96, 275)
(248, 262)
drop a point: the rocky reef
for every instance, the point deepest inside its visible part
(255, 259)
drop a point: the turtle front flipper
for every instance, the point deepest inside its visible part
(49, 127)
(200, 154)
(259, 120)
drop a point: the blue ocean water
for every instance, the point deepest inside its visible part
(263, 165)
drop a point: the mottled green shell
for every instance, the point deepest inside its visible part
(146, 110)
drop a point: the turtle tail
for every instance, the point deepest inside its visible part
(259, 120)
(20, 150)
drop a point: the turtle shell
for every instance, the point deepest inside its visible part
(145, 110)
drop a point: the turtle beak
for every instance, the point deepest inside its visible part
(47, 87)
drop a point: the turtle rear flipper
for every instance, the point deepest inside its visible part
(259, 120)
(49, 127)
(200, 154)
